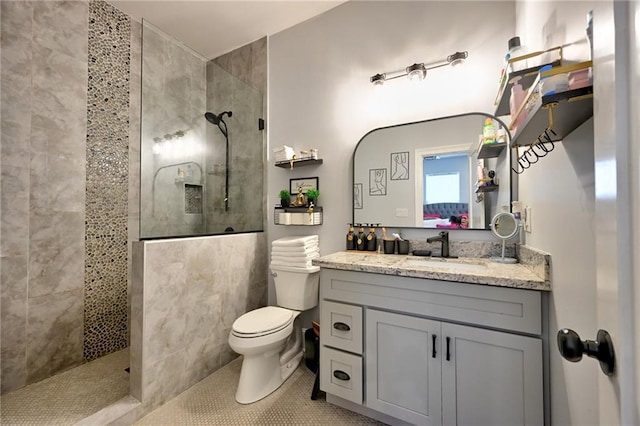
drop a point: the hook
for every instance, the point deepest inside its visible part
(530, 150)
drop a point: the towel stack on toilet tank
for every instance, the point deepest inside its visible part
(295, 252)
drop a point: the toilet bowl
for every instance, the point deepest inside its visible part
(272, 349)
(270, 338)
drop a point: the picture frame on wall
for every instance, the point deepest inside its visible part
(305, 183)
(399, 166)
(357, 196)
(377, 182)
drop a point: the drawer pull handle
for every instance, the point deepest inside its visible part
(433, 350)
(341, 326)
(448, 352)
(341, 375)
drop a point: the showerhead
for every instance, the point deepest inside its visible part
(216, 119)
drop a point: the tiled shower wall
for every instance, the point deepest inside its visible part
(57, 146)
(106, 266)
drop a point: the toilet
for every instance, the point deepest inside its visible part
(270, 338)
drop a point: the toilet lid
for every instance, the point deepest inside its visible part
(263, 320)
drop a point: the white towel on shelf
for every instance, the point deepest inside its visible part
(295, 250)
(293, 260)
(300, 264)
(294, 255)
(295, 241)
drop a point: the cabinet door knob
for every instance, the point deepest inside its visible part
(341, 375)
(341, 326)
(572, 348)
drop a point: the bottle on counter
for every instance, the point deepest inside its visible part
(360, 241)
(372, 239)
(351, 239)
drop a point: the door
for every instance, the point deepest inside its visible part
(617, 187)
(403, 367)
(490, 378)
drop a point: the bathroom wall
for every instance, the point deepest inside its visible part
(44, 133)
(320, 95)
(186, 293)
(560, 189)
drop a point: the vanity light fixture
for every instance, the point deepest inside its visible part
(418, 72)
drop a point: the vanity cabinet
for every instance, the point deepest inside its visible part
(433, 352)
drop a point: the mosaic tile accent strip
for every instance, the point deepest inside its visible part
(193, 199)
(106, 266)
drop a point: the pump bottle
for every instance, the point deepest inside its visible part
(351, 239)
(372, 239)
(360, 242)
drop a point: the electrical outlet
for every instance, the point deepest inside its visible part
(527, 219)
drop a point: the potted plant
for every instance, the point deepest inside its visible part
(285, 198)
(312, 196)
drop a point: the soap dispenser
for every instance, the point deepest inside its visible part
(515, 102)
(351, 238)
(372, 239)
(360, 242)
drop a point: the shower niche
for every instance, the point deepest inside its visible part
(201, 148)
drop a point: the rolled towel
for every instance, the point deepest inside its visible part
(295, 241)
(301, 264)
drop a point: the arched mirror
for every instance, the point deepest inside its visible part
(504, 226)
(435, 173)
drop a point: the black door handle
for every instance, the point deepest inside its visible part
(571, 348)
(448, 352)
(433, 350)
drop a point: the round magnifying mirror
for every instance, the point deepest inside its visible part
(504, 226)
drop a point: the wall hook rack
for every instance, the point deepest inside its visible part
(543, 146)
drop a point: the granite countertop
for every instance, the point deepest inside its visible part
(464, 269)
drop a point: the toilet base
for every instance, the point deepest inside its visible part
(261, 376)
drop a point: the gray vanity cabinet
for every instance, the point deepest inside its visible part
(433, 352)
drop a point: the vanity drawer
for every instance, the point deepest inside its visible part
(341, 326)
(341, 374)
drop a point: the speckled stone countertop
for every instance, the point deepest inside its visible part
(531, 276)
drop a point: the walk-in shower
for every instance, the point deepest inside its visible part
(197, 179)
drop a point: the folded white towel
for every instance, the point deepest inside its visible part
(295, 255)
(293, 260)
(301, 264)
(295, 241)
(295, 249)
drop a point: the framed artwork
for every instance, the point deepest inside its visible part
(357, 196)
(304, 184)
(377, 182)
(399, 166)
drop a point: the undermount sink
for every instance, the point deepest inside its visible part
(454, 265)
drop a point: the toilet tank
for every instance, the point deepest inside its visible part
(296, 288)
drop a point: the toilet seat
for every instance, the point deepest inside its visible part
(262, 322)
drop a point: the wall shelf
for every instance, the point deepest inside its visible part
(527, 78)
(562, 112)
(291, 164)
(487, 188)
(297, 216)
(491, 150)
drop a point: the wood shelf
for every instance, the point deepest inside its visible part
(298, 163)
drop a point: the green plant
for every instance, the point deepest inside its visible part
(285, 198)
(313, 194)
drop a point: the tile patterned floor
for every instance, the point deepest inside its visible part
(68, 397)
(212, 402)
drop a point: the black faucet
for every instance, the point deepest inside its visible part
(444, 238)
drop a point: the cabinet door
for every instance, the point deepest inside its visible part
(490, 378)
(403, 377)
